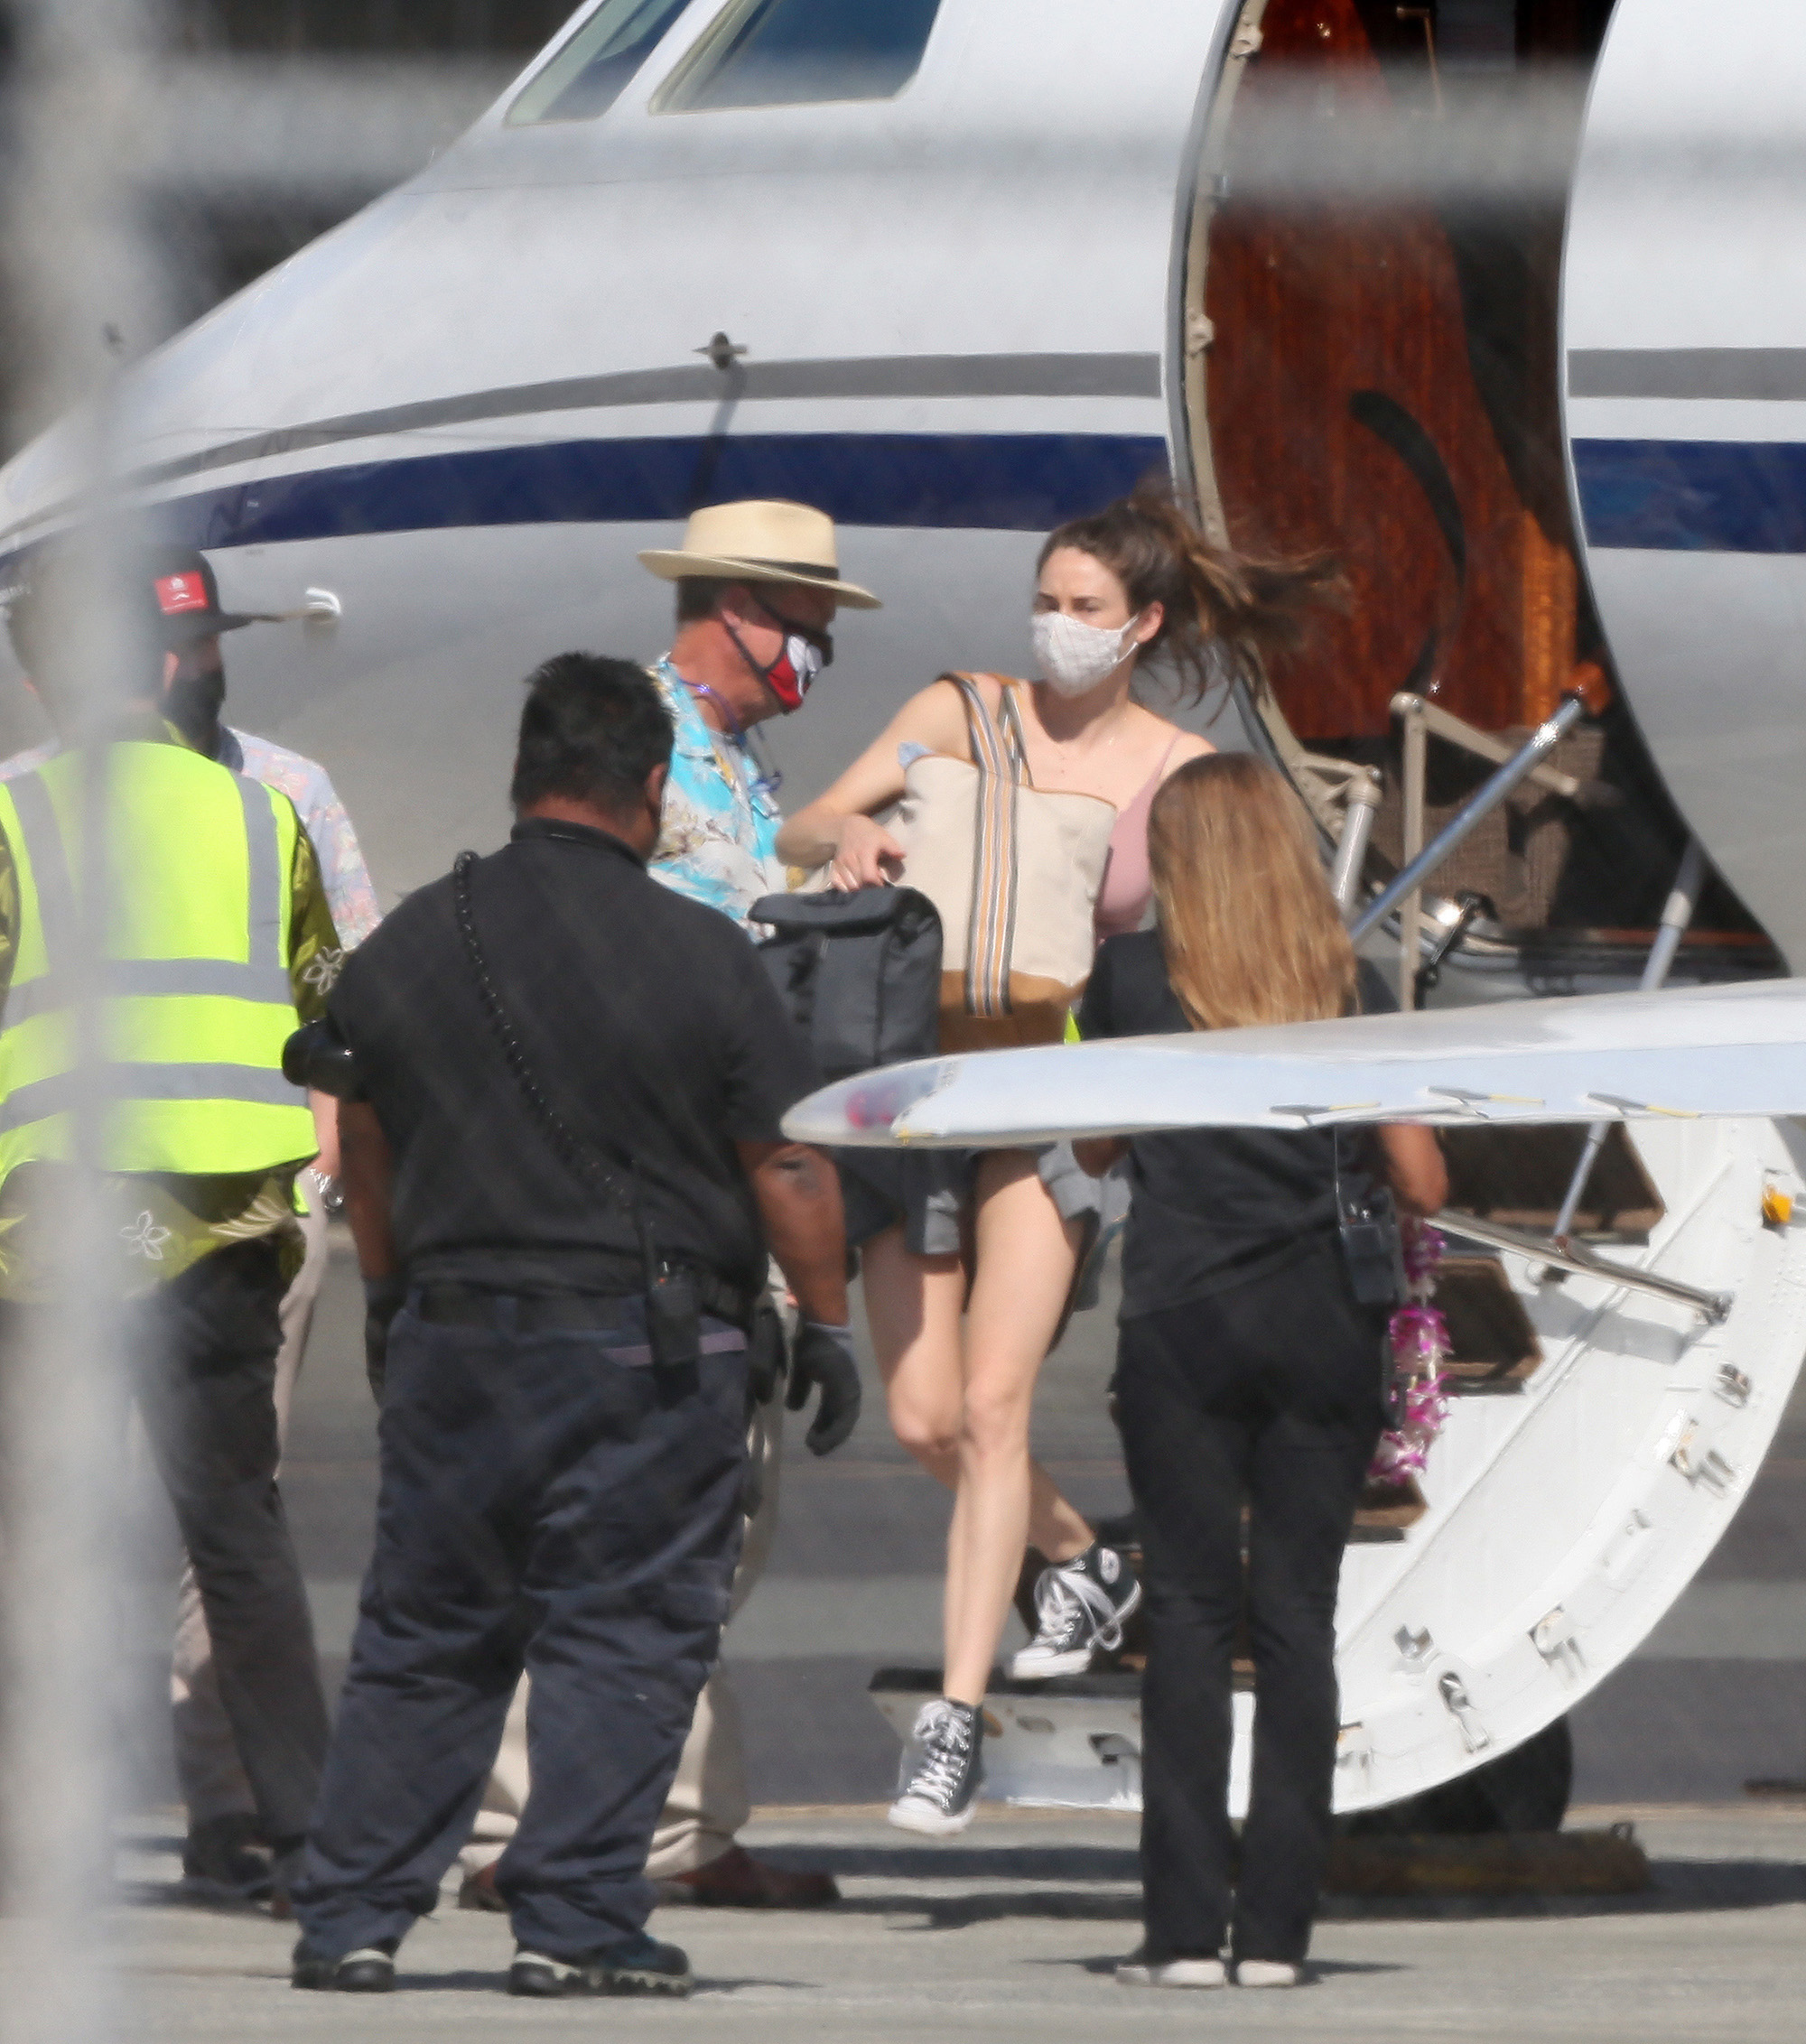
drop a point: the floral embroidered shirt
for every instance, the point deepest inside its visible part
(164, 1222)
(349, 892)
(719, 839)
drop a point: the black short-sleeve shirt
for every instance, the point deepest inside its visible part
(1213, 1207)
(647, 1020)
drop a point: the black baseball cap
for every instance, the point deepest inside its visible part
(175, 586)
(184, 597)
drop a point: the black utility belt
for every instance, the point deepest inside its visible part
(535, 1313)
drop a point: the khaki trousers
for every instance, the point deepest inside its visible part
(207, 1765)
(708, 1802)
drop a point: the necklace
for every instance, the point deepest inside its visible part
(1068, 752)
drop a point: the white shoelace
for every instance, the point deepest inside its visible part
(945, 1736)
(1062, 1601)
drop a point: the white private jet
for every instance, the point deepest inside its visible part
(1507, 309)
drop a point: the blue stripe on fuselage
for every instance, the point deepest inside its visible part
(1693, 496)
(1011, 482)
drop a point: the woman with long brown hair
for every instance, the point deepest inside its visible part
(1249, 1374)
(968, 1263)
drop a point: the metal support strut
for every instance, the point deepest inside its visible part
(1676, 914)
(1361, 805)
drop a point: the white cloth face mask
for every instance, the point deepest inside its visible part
(1072, 657)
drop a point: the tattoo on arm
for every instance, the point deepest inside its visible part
(805, 1171)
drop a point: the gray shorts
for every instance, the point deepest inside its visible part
(931, 1192)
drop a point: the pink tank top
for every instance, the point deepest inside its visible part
(1128, 887)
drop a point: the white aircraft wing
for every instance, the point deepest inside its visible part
(1732, 1050)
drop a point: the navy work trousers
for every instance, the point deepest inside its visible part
(1267, 1395)
(202, 1356)
(545, 1505)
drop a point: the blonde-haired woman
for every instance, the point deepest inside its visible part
(1247, 1374)
(968, 1263)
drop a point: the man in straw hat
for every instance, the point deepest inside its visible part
(757, 586)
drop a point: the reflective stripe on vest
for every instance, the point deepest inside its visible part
(195, 999)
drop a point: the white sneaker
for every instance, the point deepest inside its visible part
(1080, 1606)
(1267, 1973)
(1171, 1973)
(938, 1783)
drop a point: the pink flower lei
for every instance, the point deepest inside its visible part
(1420, 1339)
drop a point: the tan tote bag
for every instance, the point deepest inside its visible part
(1014, 871)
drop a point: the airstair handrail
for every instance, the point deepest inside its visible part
(1570, 1255)
(1410, 877)
(1484, 745)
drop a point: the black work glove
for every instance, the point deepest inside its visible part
(823, 1356)
(767, 1353)
(384, 1297)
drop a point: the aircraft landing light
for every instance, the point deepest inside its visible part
(884, 1097)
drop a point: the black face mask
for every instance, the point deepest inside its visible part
(192, 703)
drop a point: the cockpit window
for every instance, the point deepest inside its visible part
(790, 52)
(590, 73)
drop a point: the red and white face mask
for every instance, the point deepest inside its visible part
(804, 654)
(791, 675)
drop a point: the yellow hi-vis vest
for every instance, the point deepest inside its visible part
(195, 1000)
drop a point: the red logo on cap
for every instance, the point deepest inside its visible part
(177, 594)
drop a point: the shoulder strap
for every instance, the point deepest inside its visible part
(993, 751)
(1014, 736)
(583, 1165)
(991, 922)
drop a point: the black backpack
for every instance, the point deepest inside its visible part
(859, 972)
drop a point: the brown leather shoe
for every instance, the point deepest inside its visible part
(736, 1880)
(479, 1891)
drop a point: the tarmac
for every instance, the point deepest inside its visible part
(1012, 1933)
(1717, 1695)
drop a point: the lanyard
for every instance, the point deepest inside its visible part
(763, 782)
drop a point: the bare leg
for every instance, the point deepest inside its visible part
(1055, 1527)
(1026, 1256)
(913, 1305)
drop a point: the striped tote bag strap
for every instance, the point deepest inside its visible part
(1014, 738)
(992, 926)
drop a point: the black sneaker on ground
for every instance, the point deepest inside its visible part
(220, 1863)
(371, 1970)
(1081, 1605)
(636, 1966)
(943, 1769)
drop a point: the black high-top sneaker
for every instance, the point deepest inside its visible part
(1081, 1605)
(938, 1783)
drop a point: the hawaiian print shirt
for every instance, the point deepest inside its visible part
(349, 892)
(718, 841)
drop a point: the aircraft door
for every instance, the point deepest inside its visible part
(1369, 368)
(1684, 351)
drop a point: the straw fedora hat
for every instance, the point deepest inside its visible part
(760, 540)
